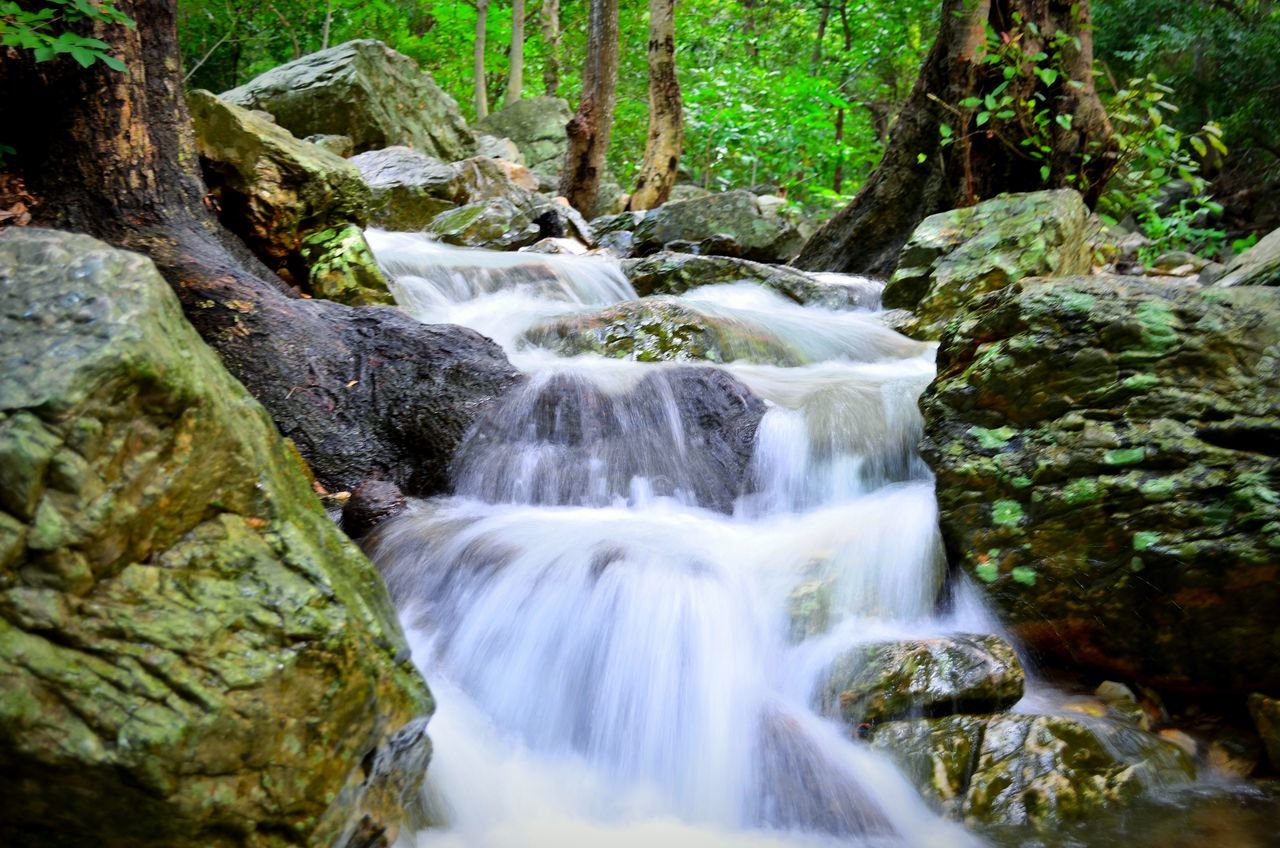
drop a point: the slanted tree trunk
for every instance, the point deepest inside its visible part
(515, 79)
(551, 46)
(666, 112)
(364, 393)
(919, 175)
(481, 95)
(590, 127)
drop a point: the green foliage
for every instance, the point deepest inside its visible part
(43, 30)
(758, 107)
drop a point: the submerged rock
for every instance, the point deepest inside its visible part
(661, 329)
(1042, 771)
(272, 189)
(364, 90)
(1105, 451)
(956, 256)
(191, 653)
(729, 223)
(1257, 266)
(537, 126)
(676, 273)
(922, 677)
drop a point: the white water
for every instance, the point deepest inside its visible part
(614, 659)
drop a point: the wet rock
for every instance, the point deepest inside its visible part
(271, 189)
(496, 224)
(617, 232)
(676, 273)
(923, 677)
(1257, 266)
(537, 126)
(342, 268)
(409, 188)
(687, 191)
(956, 256)
(1105, 451)
(661, 329)
(364, 90)
(191, 653)
(556, 430)
(1042, 771)
(1266, 718)
(370, 504)
(733, 218)
(809, 609)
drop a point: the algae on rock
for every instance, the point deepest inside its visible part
(1105, 454)
(955, 256)
(191, 652)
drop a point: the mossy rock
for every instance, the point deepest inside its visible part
(343, 269)
(1266, 718)
(190, 651)
(660, 329)
(880, 681)
(536, 125)
(673, 273)
(1023, 770)
(955, 256)
(1105, 454)
(271, 189)
(496, 224)
(730, 223)
(1257, 266)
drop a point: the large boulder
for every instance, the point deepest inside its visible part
(730, 223)
(922, 677)
(1105, 452)
(364, 90)
(675, 273)
(190, 652)
(955, 256)
(1041, 771)
(1257, 266)
(275, 191)
(537, 126)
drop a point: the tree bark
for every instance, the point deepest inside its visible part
(364, 393)
(551, 46)
(515, 79)
(662, 151)
(589, 129)
(481, 95)
(920, 176)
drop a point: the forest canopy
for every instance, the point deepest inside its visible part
(795, 94)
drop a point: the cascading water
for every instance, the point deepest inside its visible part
(607, 615)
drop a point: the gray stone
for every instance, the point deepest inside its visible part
(364, 90)
(1257, 266)
(733, 222)
(537, 126)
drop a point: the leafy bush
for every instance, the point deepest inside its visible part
(44, 30)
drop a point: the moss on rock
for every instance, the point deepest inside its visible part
(190, 652)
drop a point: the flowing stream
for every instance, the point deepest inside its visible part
(616, 637)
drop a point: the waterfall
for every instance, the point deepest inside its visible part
(606, 606)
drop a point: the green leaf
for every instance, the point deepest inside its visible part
(1024, 575)
(983, 117)
(988, 572)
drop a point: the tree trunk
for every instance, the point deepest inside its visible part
(515, 80)
(590, 127)
(666, 112)
(823, 18)
(364, 393)
(919, 175)
(837, 178)
(328, 22)
(482, 95)
(551, 46)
